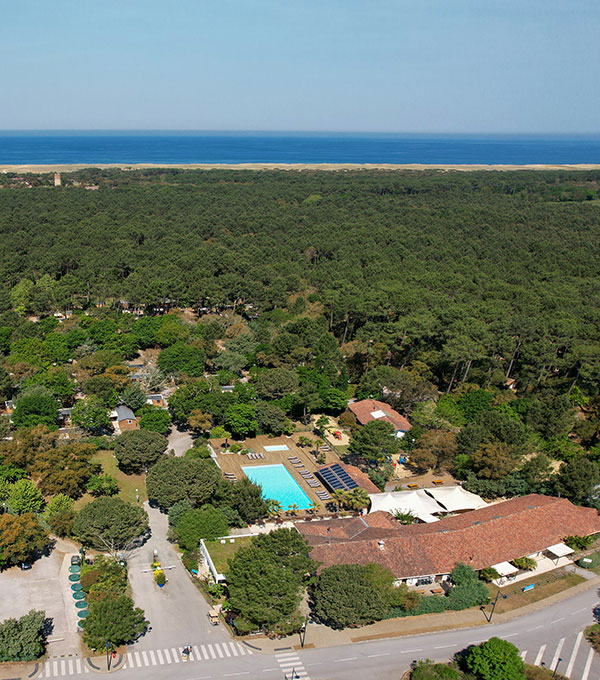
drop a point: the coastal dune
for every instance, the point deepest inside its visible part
(66, 167)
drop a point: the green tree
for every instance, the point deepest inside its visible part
(176, 479)
(496, 659)
(64, 468)
(109, 523)
(137, 450)
(428, 670)
(155, 419)
(21, 539)
(270, 418)
(374, 441)
(102, 485)
(36, 406)
(182, 358)
(495, 460)
(241, 419)
(246, 498)
(103, 388)
(177, 510)
(23, 639)
(435, 449)
(133, 397)
(113, 619)
(577, 478)
(60, 514)
(206, 522)
(90, 414)
(21, 295)
(275, 383)
(25, 497)
(344, 597)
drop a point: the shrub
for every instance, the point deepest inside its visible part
(496, 659)
(579, 542)
(488, 574)
(592, 633)
(432, 604)
(89, 578)
(191, 559)
(159, 577)
(525, 563)
(428, 670)
(467, 595)
(177, 510)
(22, 639)
(592, 562)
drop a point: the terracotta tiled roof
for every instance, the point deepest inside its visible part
(481, 538)
(364, 409)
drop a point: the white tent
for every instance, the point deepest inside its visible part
(560, 550)
(456, 499)
(416, 502)
(505, 569)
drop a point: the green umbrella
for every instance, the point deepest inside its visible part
(76, 586)
(74, 569)
(79, 595)
(83, 613)
(74, 577)
(82, 604)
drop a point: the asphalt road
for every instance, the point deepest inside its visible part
(544, 636)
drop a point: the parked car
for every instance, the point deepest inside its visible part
(75, 560)
(24, 566)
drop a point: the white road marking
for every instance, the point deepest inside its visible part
(226, 650)
(168, 655)
(349, 658)
(160, 657)
(55, 667)
(145, 658)
(444, 646)
(578, 611)
(539, 656)
(234, 649)
(138, 659)
(175, 654)
(212, 652)
(230, 675)
(557, 620)
(510, 635)
(63, 667)
(152, 658)
(78, 665)
(523, 655)
(536, 628)
(197, 653)
(556, 656)
(574, 654)
(382, 654)
(269, 670)
(204, 652)
(588, 665)
(219, 652)
(70, 664)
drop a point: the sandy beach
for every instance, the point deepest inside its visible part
(65, 167)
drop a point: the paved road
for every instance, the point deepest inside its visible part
(179, 440)
(543, 636)
(177, 612)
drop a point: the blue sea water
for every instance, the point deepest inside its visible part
(22, 148)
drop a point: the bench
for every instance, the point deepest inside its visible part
(412, 486)
(438, 482)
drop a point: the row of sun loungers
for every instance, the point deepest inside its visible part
(308, 476)
(310, 479)
(255, 456)
(323, 495)
(230, 476)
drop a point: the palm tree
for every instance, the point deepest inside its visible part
(314, 507)
(293, 509)
(339, 497)
(274, 507)
(357, 499)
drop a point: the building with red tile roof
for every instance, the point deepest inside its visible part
(481, 538)
(359, 477)
(367, 410)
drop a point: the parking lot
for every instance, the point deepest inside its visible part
(44, 587)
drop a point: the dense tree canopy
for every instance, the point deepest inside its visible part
(109, 523)
(137, 450)
(177, 479)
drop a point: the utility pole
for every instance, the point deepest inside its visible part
(498, 595)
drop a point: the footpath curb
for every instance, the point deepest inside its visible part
(97, 664)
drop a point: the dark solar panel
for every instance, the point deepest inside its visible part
(337, 478)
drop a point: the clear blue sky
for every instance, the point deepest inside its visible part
(347, 65)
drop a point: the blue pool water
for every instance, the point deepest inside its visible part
(278, 484)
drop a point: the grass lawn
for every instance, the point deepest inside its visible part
(221, 552)
(127, 483)
(545, 586)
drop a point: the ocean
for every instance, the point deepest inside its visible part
(24, 148)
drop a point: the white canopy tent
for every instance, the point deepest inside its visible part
(456, 499)
(560, 550)
(505, 569)
(416, 502)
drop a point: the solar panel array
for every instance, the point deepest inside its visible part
(335, 477)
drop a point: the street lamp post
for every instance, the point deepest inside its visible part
(108, 655)
(556, 667)
(303, 632)
(498, 595)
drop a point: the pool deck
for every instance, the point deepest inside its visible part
(233, 462)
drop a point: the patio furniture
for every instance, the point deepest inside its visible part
(438, 482)
(412, 486)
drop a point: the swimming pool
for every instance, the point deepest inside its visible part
(278, 484)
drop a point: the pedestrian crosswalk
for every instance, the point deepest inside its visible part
(58, 667)
(571, 657)
(172, 655)
(291, 666)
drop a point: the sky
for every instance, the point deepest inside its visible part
(465, 66)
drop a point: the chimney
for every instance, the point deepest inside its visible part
(381, 544)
